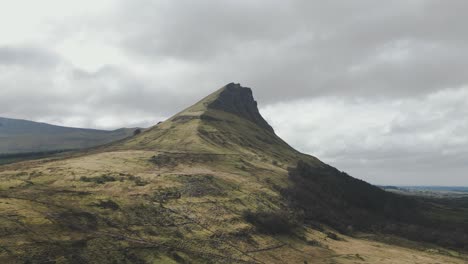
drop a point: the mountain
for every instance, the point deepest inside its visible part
(225, 122)
(20, 136)
(214, 184)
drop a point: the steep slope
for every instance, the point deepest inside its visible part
(20, 136)
(225, 122)
(212, 184)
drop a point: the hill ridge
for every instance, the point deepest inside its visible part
(209, 185)
(25, 136)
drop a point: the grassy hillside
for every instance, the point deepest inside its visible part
(213, 184)
(21, 136)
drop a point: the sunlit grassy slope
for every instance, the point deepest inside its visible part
(209, 185)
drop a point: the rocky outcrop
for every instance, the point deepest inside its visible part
(239, 100)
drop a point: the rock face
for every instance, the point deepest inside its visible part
(239, 100)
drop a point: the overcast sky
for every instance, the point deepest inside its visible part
(378, 89)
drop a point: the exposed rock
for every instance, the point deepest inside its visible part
(239, 100)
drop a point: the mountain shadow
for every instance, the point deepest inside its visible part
(327, 195)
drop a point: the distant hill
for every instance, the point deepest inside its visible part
(22, 136)
(429, 191)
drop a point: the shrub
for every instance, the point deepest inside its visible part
(332, 235)
(107, 204)
(99, 180)
(137, 131)
(280, 222)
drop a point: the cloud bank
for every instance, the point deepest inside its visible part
(377, 89)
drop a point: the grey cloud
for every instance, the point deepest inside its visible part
(412, 141)
(422, 169)
(201, 30)
(376, 88)
(307, 48)
(63, 92)
(27, 56)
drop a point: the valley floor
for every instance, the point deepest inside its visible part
(353, 250)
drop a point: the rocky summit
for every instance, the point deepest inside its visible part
(239, 100)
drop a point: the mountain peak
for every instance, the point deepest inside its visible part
(238, 100)
(227, 120)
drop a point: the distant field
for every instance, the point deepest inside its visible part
(437, 188)
(430, 191)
